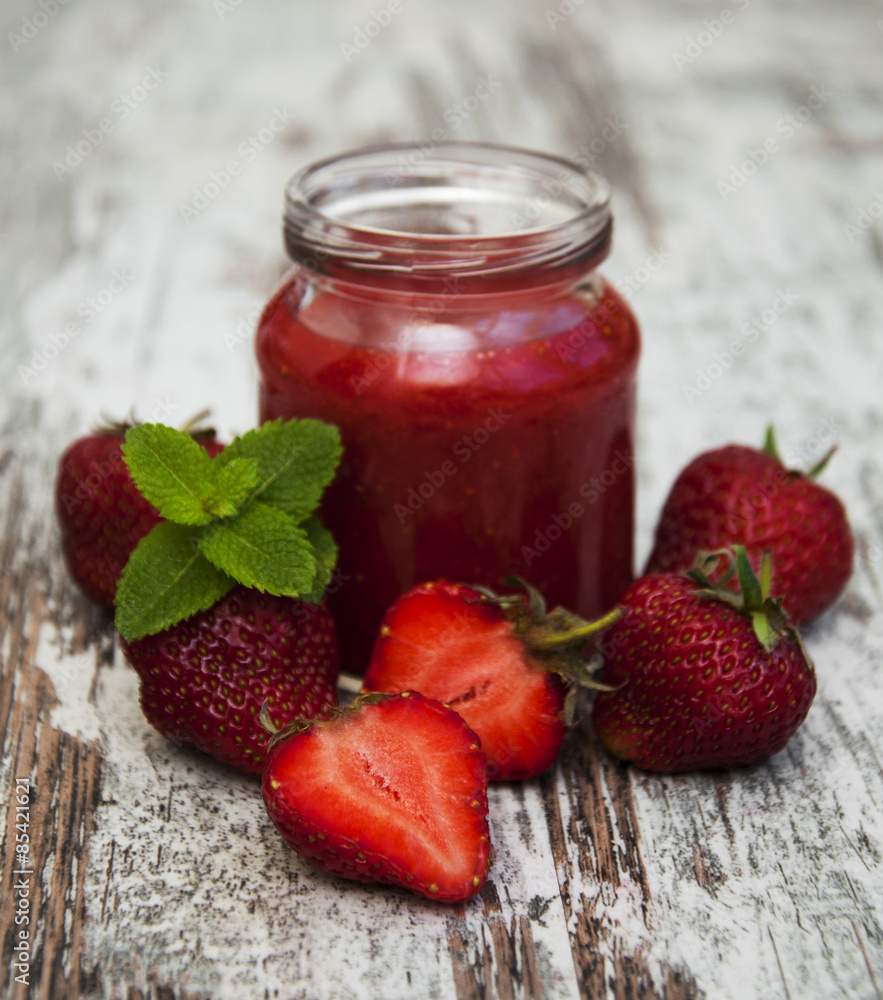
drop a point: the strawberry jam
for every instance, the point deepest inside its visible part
(446, 315)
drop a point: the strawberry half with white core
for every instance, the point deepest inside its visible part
(220, 606)
(506, 666)
(393, 789)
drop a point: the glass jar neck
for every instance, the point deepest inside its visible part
(463, 218)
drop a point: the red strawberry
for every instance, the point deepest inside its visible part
(501, 663)
(204, 680)
(741, 495)
(100, 512)
(704, 677)
(392, 790)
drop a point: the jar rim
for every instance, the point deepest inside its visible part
(462, 209)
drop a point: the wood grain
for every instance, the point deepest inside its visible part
(157, 875)
(63, 773)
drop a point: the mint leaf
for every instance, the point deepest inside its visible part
(262, 547)
(296, 460)
(231, 519)
(170, 469)
(180, 479)
(325, 551)
(232, 484)
(166, 579)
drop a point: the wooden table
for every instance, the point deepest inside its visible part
(746, 150)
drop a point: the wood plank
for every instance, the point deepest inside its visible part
(157, 874)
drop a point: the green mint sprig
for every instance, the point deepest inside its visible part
(245, 516)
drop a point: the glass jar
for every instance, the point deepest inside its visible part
(445, 312)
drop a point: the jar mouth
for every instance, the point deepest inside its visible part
(454, 208)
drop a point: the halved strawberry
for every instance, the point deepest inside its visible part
(501, 663)
(391, 790)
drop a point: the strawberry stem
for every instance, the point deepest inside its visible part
(266, 721)
(557, 639)
(553, 639)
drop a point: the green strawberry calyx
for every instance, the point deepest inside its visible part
(771, 448)
(295, 726)
(554, 639)
(243, 517)
(196, 426)
(752, 599)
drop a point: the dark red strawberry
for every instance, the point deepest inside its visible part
(502, 663)
(204, 680)
(391, 790)
(100, 512)
(738, 495)
(703, 677)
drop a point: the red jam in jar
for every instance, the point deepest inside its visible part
(448, 317)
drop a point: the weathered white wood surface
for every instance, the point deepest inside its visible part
(157, 873)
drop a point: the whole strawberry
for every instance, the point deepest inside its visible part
(504, 664)
(393, 790)
(220, 605)
(204, 680)
(702, 677)
(100, 513)
(739, 495)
